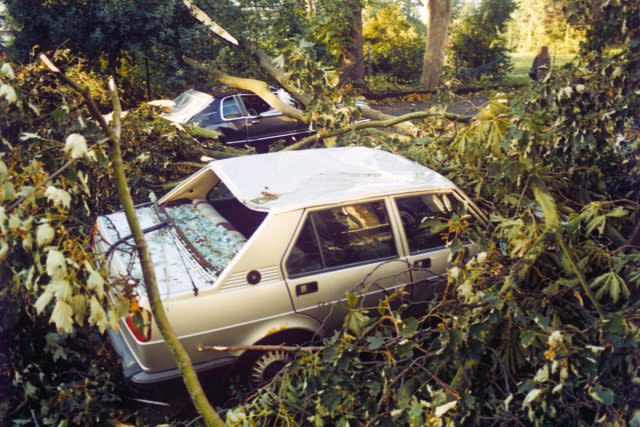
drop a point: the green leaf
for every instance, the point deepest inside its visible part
(375, 342)
(602, 395)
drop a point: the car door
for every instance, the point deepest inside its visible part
(426, 249)
(264, 122)
(233, 121)
(348, 247)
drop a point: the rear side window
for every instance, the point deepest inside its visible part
(422, 216)
(230, 108)
(342, 236)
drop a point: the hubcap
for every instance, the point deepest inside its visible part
(267, 366)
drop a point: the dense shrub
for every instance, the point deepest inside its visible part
(394, 42)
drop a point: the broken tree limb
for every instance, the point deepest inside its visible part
(265, 61)
(113, 131)
(260, 348)
(258, 87)
(268, 65)
(375, 124)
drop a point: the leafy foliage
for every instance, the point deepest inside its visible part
(540, 326)
(47, 276)
(118, 37)
(395, 46)
(54, 177)
(477, 44)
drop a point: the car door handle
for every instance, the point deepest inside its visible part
(306, 288)
(422, 263)
(254, 121)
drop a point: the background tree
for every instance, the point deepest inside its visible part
(534, 24)
(394, 42)
(478, 45)
(120, 38)
(438, 18)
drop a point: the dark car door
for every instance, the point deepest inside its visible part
(264, 122)
(232, 122)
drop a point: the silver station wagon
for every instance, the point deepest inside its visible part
(261, 249)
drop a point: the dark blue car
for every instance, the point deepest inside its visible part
(241, 118)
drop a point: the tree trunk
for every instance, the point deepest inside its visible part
(438, 17)
(352, 60)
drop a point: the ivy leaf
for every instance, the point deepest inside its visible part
(95, 281)
(443, 409)
(531, 396)
(43, 300)
(97, 316)
(7, 71)
(8, 93)
(375, 342)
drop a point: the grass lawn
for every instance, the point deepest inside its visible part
(522, 63)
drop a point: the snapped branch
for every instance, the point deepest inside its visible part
(258, 87)
(391, 121)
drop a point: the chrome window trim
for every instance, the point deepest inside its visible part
(271, 137)
(240, 107)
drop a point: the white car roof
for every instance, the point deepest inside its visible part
(289, 180)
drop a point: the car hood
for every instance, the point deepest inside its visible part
(187, 105)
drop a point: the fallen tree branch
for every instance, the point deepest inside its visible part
(260, 348)
(268, 65)
(258, 87)
(375, 124)
(181, 357)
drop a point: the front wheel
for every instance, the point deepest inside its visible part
(267, 365)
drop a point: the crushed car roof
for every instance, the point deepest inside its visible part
(289, 180)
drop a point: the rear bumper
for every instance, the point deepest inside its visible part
(133, 373)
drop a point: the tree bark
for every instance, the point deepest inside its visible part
(438, 17)
(352, 60)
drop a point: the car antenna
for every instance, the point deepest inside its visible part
(156, 208)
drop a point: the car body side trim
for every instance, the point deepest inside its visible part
(273, 137)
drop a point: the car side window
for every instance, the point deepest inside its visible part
(421, 214)
(256, 105)
(342, 236)
(230, 108)
(305, 256)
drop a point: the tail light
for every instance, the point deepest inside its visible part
(139, 322)
(94, 236)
